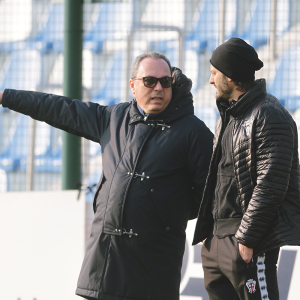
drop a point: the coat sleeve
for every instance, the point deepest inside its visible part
(274, 141)
(199, 155)
(85, 119)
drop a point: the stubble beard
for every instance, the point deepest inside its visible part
(224, 90)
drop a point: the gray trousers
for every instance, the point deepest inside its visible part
(228, 276)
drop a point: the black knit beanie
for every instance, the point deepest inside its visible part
(236, 59)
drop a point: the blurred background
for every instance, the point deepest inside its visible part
(114, 33)
(33, 55)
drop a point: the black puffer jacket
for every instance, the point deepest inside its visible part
(266, 164)
(172, 149)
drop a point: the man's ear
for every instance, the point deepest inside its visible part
(131, 84)
(229, 79)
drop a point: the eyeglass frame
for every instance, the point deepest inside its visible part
(157, 79)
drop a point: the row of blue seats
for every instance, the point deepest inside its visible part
(255, 27)
(48, 149)
(285, 85)
(21, 75)
(113, 21)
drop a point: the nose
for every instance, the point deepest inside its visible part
(211, 80)
(158, 86)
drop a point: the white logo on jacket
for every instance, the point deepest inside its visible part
(247, 124)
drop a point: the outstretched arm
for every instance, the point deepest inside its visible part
(84, 119)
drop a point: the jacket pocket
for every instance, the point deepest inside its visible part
(99, 186)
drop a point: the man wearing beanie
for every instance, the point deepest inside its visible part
(251, 201)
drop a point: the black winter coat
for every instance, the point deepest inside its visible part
(172, 151)
(266, 163)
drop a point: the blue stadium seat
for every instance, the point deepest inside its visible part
(163, 46)
(15, 151)
(285, 85)
(48, 154)
(50, 37)
(50, 162)
(204, 36)
(113, 84)
(193, 69)
(173, 55)
(22, 70)
(257, 25)
(113, 22)
(16, 24)
(47, 151)
(205, 32)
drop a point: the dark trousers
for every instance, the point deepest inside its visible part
(228, 276)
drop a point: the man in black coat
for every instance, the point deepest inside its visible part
(251, 202)
(155, 160)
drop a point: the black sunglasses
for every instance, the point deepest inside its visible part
(151, 81)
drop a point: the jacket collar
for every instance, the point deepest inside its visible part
(239, 107)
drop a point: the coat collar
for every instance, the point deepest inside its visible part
(239, 107)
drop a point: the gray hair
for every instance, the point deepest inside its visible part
(152, 54)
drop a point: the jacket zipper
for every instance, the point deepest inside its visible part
(219, 144)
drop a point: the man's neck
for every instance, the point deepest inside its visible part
(236, 94)
(140, 109)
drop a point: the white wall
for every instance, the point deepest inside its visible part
(42, 238)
